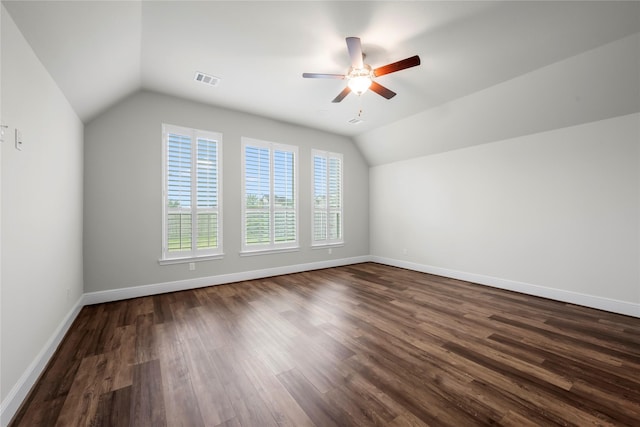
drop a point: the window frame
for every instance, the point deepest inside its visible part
(327, 155)
(272, 246)
(193, 254)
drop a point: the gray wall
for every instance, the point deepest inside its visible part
(532, 184)
(123, 199)
(559, 210)
(41, 209)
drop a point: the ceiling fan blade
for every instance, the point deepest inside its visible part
(342, 94)
(355, 52)
(381, 90)
(322, 76)
(397, 66)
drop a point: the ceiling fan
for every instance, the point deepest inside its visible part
(360, 75)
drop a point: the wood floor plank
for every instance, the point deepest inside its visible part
(360, 345)
(44, 413)
(374, 402)
(311, 400)
(213, 403)
(284, 409)
(146, 349)
(147, 396)
(114, 408)
(181, 404)
(421, 402)
(81, 403)
(252, 411)
(513, 419)
(352, 408)
(124, 357)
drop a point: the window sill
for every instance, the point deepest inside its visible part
(170, 261)
(269, 251)
(327, 245)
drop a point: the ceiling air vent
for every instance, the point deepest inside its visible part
(355, 121)
(207, 79)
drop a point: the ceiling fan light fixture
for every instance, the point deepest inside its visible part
(360, 84)
(359, 79)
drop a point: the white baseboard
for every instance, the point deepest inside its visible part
(20, 390)
(181, 285)
(600, 303)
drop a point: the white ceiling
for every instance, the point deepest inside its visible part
(100, 52)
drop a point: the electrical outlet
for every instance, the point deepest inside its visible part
(404, 251)
(68, 294)
(329, 251)
(192, 266)
(18, 139)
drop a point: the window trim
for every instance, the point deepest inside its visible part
(194, 254)
(272, 246)
(326, 242)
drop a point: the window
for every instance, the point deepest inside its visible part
(327, 198)
(270, 196)
(192, 209)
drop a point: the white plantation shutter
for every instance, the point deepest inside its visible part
(269, 195)
(327, 198)
(284, 198)
(207, 193)
(179, 192)
(192, 211)
(257, 194)
(319, 198)
(334, 227)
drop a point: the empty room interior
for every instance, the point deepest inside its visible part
(319, 213)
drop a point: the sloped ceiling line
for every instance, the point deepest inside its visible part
(101, 52)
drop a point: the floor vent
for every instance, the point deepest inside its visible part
(207, 79)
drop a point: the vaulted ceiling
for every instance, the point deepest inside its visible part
(100, 52)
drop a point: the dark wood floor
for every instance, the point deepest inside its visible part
(359, 345)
